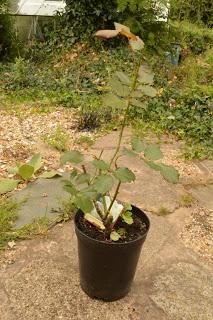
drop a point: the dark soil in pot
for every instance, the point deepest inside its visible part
(107, 268)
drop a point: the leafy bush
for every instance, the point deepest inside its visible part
(92, 113)
(187, 115)
(195, 11)
(198, 39)
(6, 35)
(144, 17)
(80, 19)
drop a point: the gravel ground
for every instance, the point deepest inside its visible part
(21, 135)
(197, 233)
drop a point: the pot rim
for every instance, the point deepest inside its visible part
(113, 243)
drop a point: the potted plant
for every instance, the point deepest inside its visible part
(110, 233)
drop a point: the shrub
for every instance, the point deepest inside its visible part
(195, 11)
(6, 36)
(198, 39)
(92, 113)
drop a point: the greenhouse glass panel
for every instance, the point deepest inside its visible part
(47, 8)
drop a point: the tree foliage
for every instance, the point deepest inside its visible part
(5, 30)
(195, 11)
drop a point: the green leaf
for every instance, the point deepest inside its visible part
(7, 185)
(169, 173)
(84, 203)
(50, 174)
(113, 101)
(82, 178)
(103, 184)
(26, 171)
(124, 175)
(73, 173)
(137, 94)
(72, 156)
(137, 44)
(93, 220)
(153, 152)
(36, 162)
(152, 165)
(127, 207)
(114, 236)
(119, 88)
(127, 217)
(148, 91)
(129, 153)
(70, 188)
(137, 103)
(121, 232)
(123, 77)
(137, 145)
(100, 164)
(89, 192)
(145, 75)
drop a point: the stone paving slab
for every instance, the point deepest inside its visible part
(150, 191)
(204, 194)
(42, 198)
(39, 279)
(171, 282)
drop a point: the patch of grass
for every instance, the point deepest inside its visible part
(163, 211)
(197, 38)
(58, 139)
(187, 200)
(86, 141)
(8, 215)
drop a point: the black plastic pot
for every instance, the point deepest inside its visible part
(107, 269)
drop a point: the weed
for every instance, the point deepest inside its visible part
(8, 215)
(59, 139)
(187, 200)
(163, 211)
(86, 141)
(93, 114)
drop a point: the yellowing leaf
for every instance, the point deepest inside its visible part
(114, 236)
(119, 27)
(96, 222)
(136, 44)
(107, 34)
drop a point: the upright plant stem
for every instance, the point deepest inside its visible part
(115, 196)
(123, 125)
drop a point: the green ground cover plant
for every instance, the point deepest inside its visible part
(78, 78)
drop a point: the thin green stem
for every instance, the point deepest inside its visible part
(93, 201)
(123, 125)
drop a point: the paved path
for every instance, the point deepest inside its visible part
(174, 280)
